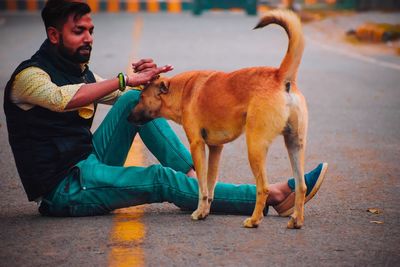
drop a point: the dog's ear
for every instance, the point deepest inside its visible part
(164, 87)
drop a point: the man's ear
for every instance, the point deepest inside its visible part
(53, 35)
(164, 87)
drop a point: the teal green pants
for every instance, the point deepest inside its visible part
(100, 183)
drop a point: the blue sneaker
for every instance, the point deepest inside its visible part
(313, 181)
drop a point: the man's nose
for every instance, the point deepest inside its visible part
(88, 38)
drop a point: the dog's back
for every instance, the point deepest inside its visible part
(221, 100)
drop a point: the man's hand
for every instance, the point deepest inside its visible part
(143, 65)
(191, 173)
(145, 71)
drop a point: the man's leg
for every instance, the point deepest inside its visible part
(96, 188)
(113, 139)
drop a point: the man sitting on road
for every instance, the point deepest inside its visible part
(49, 104)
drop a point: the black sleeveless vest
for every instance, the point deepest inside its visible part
(47, 144)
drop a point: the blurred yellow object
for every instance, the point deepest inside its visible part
(310, 2)
(370, 32)
(377, 32)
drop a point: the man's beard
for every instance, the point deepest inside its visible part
(75, 56)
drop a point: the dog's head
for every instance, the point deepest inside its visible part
(150, 102)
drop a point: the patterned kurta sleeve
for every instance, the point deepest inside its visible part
(33, 86)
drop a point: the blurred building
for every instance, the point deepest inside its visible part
(368, 4)
(182, 5)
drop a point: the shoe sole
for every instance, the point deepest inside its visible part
(320, 179)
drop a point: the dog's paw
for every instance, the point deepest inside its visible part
(295, 223)
(251, 223)
(199, 215)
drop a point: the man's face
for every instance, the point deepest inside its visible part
(75, 41)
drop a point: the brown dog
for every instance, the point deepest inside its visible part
(215, 108)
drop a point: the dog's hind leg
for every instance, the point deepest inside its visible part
(295, 140)
(257, 152)
(212, 173)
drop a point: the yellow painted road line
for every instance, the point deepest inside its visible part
(128, 231)
(137, 32)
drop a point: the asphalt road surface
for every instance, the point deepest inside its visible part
(353, 95)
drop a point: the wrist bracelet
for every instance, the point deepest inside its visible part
(126, 80)
(122, 81)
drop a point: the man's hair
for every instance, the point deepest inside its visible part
(56, 12)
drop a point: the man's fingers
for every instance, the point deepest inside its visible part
(142, 61)
(156, 72)
(137, 66)
(147, 76)
(165, 68)
(144, 66)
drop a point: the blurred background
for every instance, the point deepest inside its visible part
(197, 6)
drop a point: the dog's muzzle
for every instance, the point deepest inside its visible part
(139, 119)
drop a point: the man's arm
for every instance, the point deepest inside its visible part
(33, 86)
(89, 93)
(110, 98)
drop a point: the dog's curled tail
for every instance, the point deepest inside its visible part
(292, 25)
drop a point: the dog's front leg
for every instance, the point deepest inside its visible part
(212, 172)
(197, 148)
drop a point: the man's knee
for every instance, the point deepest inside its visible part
(160, 173)
(130, 97)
